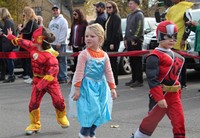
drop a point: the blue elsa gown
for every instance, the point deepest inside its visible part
(94, 106)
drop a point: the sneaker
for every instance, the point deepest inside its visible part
(26, 77)
(9, 79)
(62, 81)
(29, 81)
(81, 136)
(136, 84)
(184, 86)
(30, 132)
(129, 83)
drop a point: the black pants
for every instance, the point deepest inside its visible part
(136, 62)
(183, 75)
(76, 58)
(2, 69)
(113, 60)
(115, 68)
(26, 65)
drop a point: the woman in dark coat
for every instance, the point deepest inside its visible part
(30, 25)
(113, 33)
(2, 63)
(6, 44)
(77, 35)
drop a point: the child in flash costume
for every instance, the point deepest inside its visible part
(45, 70)
(163, 70)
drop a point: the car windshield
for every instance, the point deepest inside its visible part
(123, 25)
(195, 15)
(150, 23)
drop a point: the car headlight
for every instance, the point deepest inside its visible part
(146, 42)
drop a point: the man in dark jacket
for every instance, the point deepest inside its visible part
(133, 41)
(101, 15)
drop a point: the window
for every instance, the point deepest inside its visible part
(38, 10)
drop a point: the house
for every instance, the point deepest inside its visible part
(43, 8)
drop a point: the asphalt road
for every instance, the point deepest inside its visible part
(128, 111)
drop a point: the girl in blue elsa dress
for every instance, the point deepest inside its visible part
(93, 86)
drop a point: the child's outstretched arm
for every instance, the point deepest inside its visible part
(26, 44)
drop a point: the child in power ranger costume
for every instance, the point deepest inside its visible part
(163, 68)
(45, 70)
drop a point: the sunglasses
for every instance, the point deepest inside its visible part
(109, 7)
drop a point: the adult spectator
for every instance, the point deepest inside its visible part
(59, 27)
(2, 63)
(133, 41)
(195, 27)
(113, 33)
(180, 19)
(6, 44)
(40, 21)
(26, 30)
(161, 17)
(101, 15)
(77, 34)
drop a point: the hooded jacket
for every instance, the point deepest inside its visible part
(59, 27)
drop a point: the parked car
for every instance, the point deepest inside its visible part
(191, 63)
(124, 64)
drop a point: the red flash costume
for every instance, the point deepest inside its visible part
(163, 70)
(45, 70)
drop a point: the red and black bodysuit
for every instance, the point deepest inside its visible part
(163, 68)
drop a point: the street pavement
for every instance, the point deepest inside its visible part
(128, 110)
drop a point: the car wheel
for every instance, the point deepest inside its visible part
(197, 68)
(124, 66)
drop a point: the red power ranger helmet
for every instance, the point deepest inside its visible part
(166, 30)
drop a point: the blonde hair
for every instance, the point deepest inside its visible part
(4, 14)
(98, 30)
(29, 14)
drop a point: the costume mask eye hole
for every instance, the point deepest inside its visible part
(166, 37)
(174, 36)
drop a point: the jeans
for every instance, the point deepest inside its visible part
(88, 131)
(10, 66)
(62, 75)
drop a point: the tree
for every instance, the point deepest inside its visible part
(122, 5)
(68, 4)
(15, 8)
